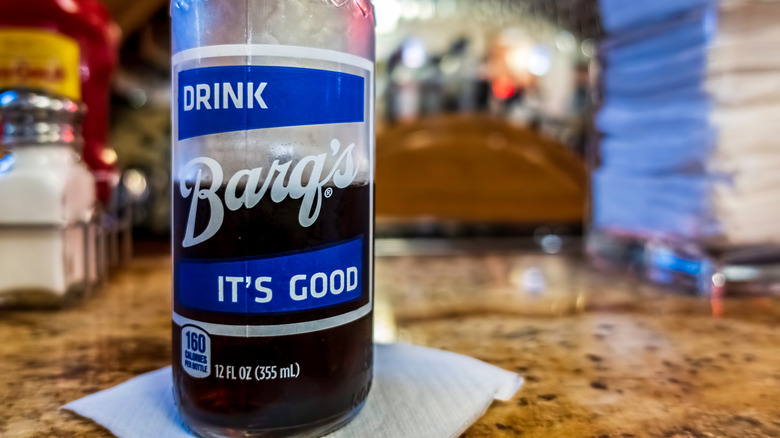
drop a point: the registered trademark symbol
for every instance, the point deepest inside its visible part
(328, 192)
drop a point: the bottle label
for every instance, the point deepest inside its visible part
(39, 59)
(283, 284)
(239, 98)
(273, 190)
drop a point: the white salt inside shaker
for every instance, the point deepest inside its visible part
(47, 201)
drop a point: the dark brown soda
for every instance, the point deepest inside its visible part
(334, 366)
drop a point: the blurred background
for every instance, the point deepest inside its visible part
(641, 135)
(481, 105)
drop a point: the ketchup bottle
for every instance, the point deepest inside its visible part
(67, 47)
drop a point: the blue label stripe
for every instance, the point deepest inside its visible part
(297, 282)
(209, 100)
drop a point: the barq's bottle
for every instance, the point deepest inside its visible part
(273, 148)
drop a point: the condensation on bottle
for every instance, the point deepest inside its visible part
(273, 170)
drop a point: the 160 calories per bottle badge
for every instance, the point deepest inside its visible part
(195, 352)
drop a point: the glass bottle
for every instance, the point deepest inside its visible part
(273, 214)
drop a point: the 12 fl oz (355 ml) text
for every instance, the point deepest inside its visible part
(257, 373)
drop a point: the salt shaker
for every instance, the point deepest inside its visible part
(47, 227)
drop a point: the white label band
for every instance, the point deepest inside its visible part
(259, 331)
(281, 51)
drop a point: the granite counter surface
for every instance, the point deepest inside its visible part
(602, 356)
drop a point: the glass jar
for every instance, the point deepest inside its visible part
(48, 231)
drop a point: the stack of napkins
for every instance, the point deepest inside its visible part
(690, 95)
(744, 67)
(417, 392)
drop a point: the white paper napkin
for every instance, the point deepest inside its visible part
(417, 392)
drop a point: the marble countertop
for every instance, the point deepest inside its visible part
(602, 356)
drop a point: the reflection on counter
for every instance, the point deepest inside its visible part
(600, 355)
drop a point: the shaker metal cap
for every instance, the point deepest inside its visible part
(33, 117)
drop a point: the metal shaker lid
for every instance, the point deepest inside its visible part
(33, 117)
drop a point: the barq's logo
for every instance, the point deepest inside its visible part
(343, 173)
